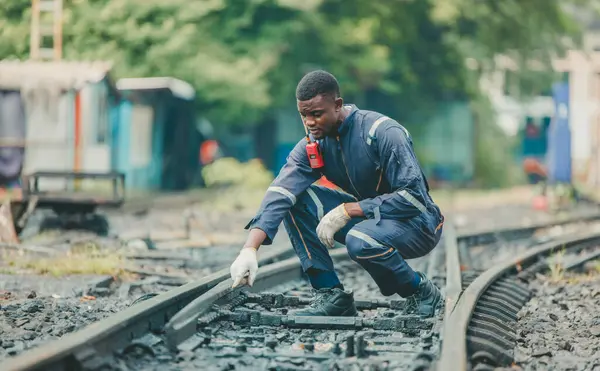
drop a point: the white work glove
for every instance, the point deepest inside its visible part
(332, 222)
(243, 270)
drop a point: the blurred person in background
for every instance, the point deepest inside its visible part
(384, 215)
(534, 152)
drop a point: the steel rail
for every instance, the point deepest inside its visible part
(454, 353)
(99, 338)
(487, 236)
(453, 273)
(183, 324)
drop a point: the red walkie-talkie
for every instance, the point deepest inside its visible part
(315, 156)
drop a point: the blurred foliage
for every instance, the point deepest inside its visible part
(494, 165)
(238, 186)
(245, 57)
(228, 171)
(521, 29)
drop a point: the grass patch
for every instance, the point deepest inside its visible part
(559, 275)
(85, 258)
(4, 270)
(556, 265)
(45, 236)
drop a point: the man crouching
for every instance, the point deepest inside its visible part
(384, 217)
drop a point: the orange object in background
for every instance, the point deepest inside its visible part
(540, 203)
(534, 166)
(208, 151)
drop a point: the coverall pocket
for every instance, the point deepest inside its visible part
(427, 224)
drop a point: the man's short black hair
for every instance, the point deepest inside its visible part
(315, 83)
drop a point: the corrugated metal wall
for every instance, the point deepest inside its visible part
(50, 135)
(138, 150)
(156, 143)
(96, 128)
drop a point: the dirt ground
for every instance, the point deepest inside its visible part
(474, 210)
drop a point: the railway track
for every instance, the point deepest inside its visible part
(206, 325)
(483, 321)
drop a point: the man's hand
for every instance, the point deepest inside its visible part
(332, 222)
(244, 268)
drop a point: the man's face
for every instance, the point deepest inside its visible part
(321, 115)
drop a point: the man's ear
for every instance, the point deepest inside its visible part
(339, 102)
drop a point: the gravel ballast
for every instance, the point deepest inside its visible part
(559, 328)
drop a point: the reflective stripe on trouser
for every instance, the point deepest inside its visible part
(380, 248)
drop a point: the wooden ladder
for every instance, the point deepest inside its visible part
(46, 22)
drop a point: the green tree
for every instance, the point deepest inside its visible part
(244, 57)
(15, 18)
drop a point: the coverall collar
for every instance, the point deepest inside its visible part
(345, 126)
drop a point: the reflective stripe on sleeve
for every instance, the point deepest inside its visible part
(416, 203)
(374, 127)
(284, 192)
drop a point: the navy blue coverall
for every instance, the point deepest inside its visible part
(373, 161)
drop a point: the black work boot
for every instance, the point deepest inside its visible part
(329, 302)
(425, 300)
